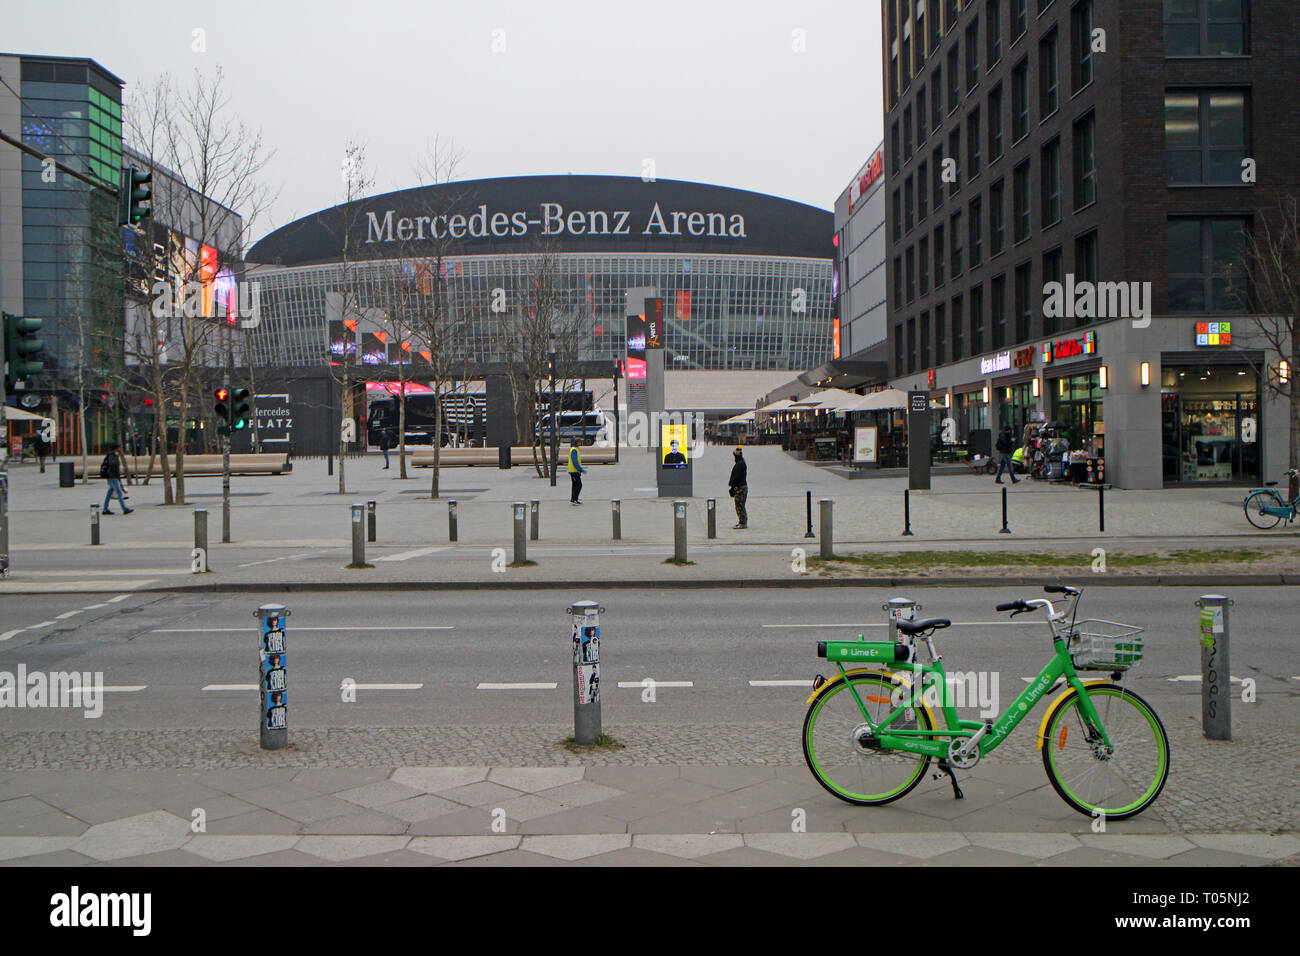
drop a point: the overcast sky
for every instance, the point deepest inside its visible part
(712, 91)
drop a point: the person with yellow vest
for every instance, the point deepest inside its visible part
(575, 473)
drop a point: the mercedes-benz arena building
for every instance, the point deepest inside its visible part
(745, 278)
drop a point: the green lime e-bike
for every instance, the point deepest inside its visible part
(870, 734)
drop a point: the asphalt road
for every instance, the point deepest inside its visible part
(162, 651)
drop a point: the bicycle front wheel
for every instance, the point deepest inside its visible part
(832, 733)
(1118, 781)
(1255, 513)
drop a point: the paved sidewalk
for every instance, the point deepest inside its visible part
(716, 794)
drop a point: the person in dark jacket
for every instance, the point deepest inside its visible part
(385, 443)
(1005, 446)
(738, 488)
(111, 471)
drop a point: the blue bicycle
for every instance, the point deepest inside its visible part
(1265, 507)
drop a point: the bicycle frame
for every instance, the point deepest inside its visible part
(933, 674)
(1282, 508)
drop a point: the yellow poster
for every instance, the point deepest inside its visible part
(673, 445)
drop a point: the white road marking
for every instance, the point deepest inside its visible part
(94, 607)
(67, 614)
(885, 624)
(541, 685)
(656, 683)
(336, 627)
(8, 634)
(384, 686)
(230, 687)
(115, 688)
(1193, 679)
(408, 555)
(120, 597)
(780, 683)
(43, 624)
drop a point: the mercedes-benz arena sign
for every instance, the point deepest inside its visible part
(561, 213)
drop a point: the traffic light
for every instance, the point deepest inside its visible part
(240, 411)
(21, 349)
(134, 190)
(222, 410)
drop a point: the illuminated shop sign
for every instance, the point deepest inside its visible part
(1069, 348)
(1213, 333)
(997, 363)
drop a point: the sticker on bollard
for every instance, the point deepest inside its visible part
(586, 671)
(1216, 680)
(273, 677)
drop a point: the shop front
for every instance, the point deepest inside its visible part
(1209, 417)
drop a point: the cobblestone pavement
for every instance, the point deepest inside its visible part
(704, 793)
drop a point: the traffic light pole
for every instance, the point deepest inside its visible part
(225, 471)
(4, 480)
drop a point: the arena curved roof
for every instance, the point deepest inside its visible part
(565, 214)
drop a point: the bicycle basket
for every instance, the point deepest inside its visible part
(1097, 645)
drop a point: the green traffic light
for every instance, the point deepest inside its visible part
(21, 349)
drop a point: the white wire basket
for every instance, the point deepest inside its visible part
(1097, 645)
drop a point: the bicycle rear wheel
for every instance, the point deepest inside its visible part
(1255, 513)
(831, 732)
(1118, 781)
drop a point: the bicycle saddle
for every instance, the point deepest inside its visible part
(1270, 484)
(916, 627)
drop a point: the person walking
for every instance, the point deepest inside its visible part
(575, 473)
(738, 488)
(111, 471)
(1005, 446)
(385, 443)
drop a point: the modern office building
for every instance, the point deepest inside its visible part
(745, 278)
(1071, 185)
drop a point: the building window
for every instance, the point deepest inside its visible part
(976, 229)
(998, 307)
(908, 205)
(972, 54)
(1085, 264)
(1205, 28)
(940, 335)
(973, 143)
(922, 192)
(1052, 272)
(1019, 101)
(976, 319)
(895, 152)
(893, 74)
(920, 33)
(936, 107)
(949, 14)
(898, 215)
(898, 349)
(1081, 43)
(1051, 182)
(911, 346)
(898, 282)
(906, 63)
(993, 31)
(923, 265)
(954, 234)
(1020, 197)
(1205, 136)
(997, 222)
(939, 255)
(958, 348)
(995, 123)
(1085, 161)
(1048, 77)
(921, 117)
(954, 153)
(907, 133)
(954, 80)
(1020, 18)
(937, 158)
(1206, 264)
(911, 275)
(925, 340)
(1024, 302)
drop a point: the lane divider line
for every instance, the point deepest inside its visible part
(539, 685)
(628, 684)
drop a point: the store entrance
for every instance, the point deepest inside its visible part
(1210, 433)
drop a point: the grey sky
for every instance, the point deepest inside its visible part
(712, 91)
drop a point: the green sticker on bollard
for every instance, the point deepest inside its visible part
(1207, 625)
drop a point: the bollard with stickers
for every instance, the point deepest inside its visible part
(452, 530)
(899, 609)
(273, 719)
(1216, 678)
(586, 671)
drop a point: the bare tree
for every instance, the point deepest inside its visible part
(1272, 266)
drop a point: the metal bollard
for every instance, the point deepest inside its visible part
(1101, 507)
(331, 464)
(1005, 529)
(809, 533)
(534, 507)
(899, 609)
(586, 671)
(200, 541)
(94, 524)
(1216, 677)
(521, 532)
(907, 512)
(451, 520)
(273, 719)
(616, 515)
(370, 520)
(711, 506)
(679, 531)
(828, 528)
(358, 537)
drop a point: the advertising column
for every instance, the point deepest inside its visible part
(918, 441)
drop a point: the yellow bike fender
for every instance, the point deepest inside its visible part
(868, 670)
(1060, 699)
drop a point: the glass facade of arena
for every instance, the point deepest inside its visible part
(721, 311)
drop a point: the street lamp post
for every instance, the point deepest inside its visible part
(616, 442)
(555, 438)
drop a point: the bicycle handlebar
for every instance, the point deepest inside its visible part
(1014, 606)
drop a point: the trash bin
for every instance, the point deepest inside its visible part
(66, 478)
(503, 456)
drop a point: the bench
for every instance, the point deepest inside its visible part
(520, 455)
(272, 463)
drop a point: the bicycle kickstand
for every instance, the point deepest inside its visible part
(956, 790)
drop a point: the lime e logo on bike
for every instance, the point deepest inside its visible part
(866, 651)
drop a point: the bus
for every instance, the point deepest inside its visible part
(595, 427)
(464, 416)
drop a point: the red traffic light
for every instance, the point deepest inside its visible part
(222, 394)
